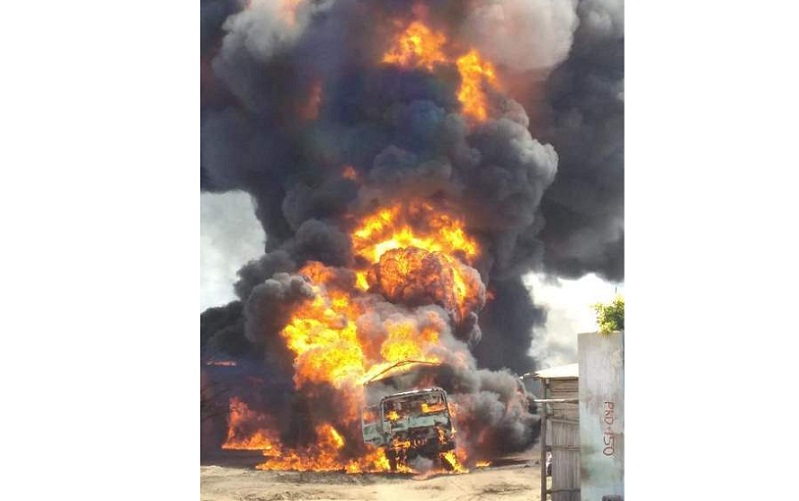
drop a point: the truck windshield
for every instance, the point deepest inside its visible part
(414, 405)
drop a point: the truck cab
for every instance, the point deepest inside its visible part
(410, 424)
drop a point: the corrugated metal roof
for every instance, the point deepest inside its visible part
(561, 372)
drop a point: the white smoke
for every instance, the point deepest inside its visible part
(570, 312)
(230, 235)
(265, 28)
(523, 34)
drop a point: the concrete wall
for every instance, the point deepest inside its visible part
(601, 359)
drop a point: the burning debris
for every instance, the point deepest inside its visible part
(399, 188)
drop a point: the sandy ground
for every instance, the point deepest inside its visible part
(234, 479)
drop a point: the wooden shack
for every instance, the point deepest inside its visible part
(560, 431)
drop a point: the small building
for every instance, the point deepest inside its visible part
(582, 422)
(560, 431)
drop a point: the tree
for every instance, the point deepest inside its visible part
(610, 317)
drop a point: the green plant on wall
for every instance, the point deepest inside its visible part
(610, 317)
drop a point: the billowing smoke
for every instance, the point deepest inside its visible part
(583, 117)
(301, 110)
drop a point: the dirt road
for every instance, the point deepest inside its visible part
(512, 479)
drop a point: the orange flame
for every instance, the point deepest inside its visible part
(350, 173)
(393, 238)
(323, 455)
(475, 75)
(455, 462)
(240, 415)
(398, 244)
(420, 47)
(414, 224)
(322, 335)
(417, 47)
(406, 274)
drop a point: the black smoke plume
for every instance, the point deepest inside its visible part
(583, 117)
(290, 98)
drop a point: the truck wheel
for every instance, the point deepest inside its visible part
(392, 460)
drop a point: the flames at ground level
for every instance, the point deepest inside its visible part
(326, 453)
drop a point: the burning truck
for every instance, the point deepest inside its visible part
(409, 424)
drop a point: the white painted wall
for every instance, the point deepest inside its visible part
(601, 359)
